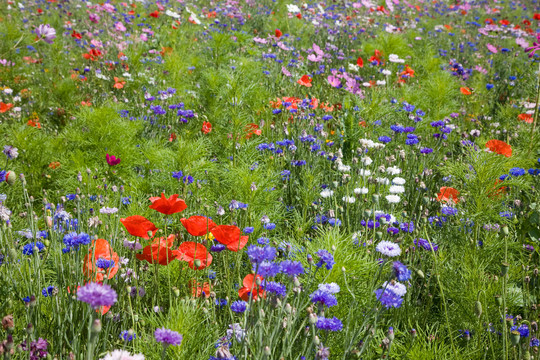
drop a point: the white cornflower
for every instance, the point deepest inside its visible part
(366, 160)
(349, 199)
(398, 181)
(383, 181)
(344, 168)
(353, 67)
(364, 172)
(393, 170)
(397, 288)
(362, 190)
(386, 72)
(381, 82)
(331, 288)
(326, 193)
(396, 189)
(393, 199)
(395, 59)
(293, 8)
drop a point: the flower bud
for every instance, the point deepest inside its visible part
(288, 308)
(11, 177)
(498, 300)
(316, 340)
(30, 329)
(197, 263)
(504, 269)
(514, 337)
(413, 333)
(478, 309)
(312, 318)
(420, 273)
(267, 351)
(505, 230)
(96, 326)
(390, 335)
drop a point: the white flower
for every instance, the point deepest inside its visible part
(349, 199)
(393, 199)
(393, 170)
(398, 181)
(172, 14)
(386, 72)
(396, 189)
(397, 288)
(8, 91)
(366, 84)
(293, 8)
(326, 193)
(362, 190)
(366, 160)
(395, 59)
(356, 235)
(383, 181)
(331, 288)
(353, 67)
(381, 82)
(344, 168)
(122, 355)
(364, 172)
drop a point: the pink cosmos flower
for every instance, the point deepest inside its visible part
(119, 26)
(492, 48)
(46, 32)
(334, 81)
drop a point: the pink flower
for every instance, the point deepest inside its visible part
(314, 58)
(119, 26)
(334, 81)
(46, 32)
(285, 71)
(522, 42)
(112, 160)
(492, 48)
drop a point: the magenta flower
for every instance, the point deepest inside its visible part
(112, 160)
(536, 46)
(46, 32)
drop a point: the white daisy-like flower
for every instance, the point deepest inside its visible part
(395, 59)
(396, 189)
(293, 8)
(353, 67)
(326, 193)
(361, 191)
(393, 199)
(398, 181)
(381, 82)
(331, 288)
(386, 72)
(343, 168)
(349, 199)
(393, 170)
(388, 248)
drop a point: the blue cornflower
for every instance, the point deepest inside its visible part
(292, 268)
(263, 241)
(388, 298)
(239, 306)
(248, 230)
(221, 302)
(324, 298)
(426, 150)
(71, 196)
(275, 288)
(489, 86)
(401, 271)
(325, 258)
(177, 174)
(268, 269)
(126, 200)
(258, 254)
(285, 174)
(448, 210)
(333, 324)
(126, 336)
(385, 139)
(188, 179)
(516, 171)
(48, 291)
(269, 226)
(102, 263)
(28, 249)
(397, 128)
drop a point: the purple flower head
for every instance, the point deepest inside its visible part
(333, 324)
(292, 268)
(388, 298)
(276, 288)
(97, 295)
(423, 243)
(258, 254)
(46, 32)
(401, 271)
(325, 258)
(267, 269)
(239, 306)
(168, 337)
(324, 298)
(11, 152)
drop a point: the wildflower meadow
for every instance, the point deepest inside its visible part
(269, 179)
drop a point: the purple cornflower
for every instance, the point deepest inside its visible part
(38, 349)
(333, 324)
(388, 248)
(97, 295)
(239, 306)
(46, 32)
(401, 271)
(292, 268)
(325, 258)
(258, 254)
(536, 46)
(268, 269)
(449, 211)
(423, 243)
(11, 152)
(388, 298)
(168, 337)
(275, 288)
(324, 298)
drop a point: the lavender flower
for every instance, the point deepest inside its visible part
(97, 295)
(401, 271)
(388, 248)
(46, 32)
(292, 268)
(333, 324)
(168, 337)
(324, 298)
(239, 306)
(11, 152)
(325, 258)
(388, 298)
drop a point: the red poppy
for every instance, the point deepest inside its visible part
(305, 81)
(251, 288)
(536, 16)
(251, 129)
(155, 14)
(504, 22)
(360, 62)
(499, 147)
(169, 206)
(100, 249)
(497, 190)
(5, 107)
(118, 83)
(465, 90)
(197, 289)
(448, 194)
(76, 35)
(190, 251)
(206, 127)
(278, 33)
(230, 236)
(299, 16)
(198, 225)
(139, 226)
(159, 251)
(526, 117)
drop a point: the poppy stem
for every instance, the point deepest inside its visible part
(535, 121)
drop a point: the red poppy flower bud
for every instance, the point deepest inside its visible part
(11, 177)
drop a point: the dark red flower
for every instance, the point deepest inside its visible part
(112, 160)
(159, 251)
(100, 249)
(251, 288)
(190, 251)
(139, 226)
(198, 225)
(169, 206)
(230, 236)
